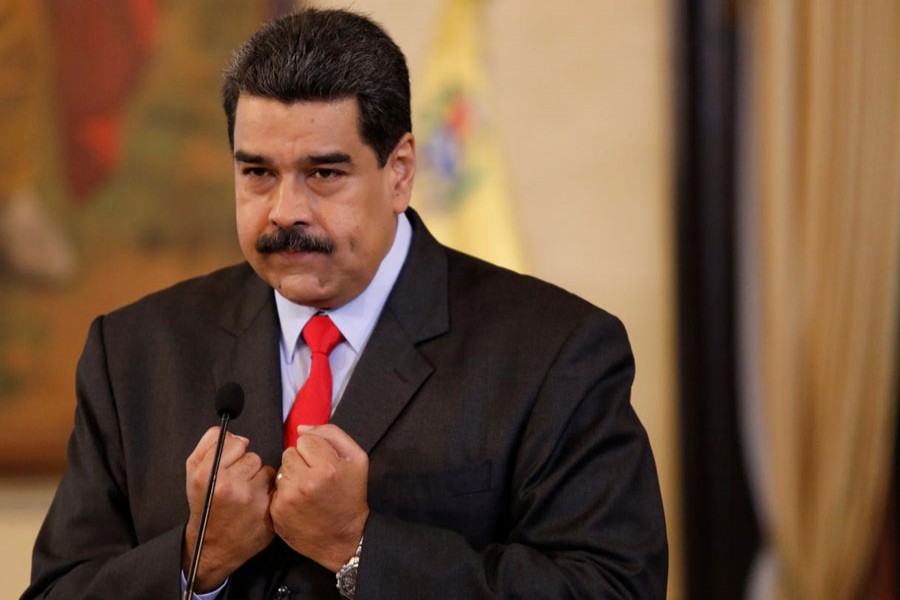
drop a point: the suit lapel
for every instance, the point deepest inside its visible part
(391, 368)
(387, 375)
(250, 357)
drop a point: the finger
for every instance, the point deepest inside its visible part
(247, 465)
(265, 478)
(206, 443)
(316, 451)
(265, 473)
(261, 484)
(280, 482)
(344, 445)
(293, 456)
(235, 447)
(292, 462)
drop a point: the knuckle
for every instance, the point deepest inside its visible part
(224, 489)
(197, 478)
(194, 460)
(309, 487)
(243, 497)
(254, 461)
(293, 495)
(258, 499)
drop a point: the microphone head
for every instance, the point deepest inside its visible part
(230, 400)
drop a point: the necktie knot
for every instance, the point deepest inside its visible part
(321, 335)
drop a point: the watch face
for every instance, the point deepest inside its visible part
(348, 581)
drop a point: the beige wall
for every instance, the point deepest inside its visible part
(582, 92)
(22, 507)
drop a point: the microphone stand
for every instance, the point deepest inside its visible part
(198, 546)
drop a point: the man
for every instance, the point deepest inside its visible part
(481, 443)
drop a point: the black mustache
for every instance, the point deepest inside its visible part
(293, 239)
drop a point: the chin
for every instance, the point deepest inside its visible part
(302, 292)
(302, 296)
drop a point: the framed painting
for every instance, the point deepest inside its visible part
(115, 180)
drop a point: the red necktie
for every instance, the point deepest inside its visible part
(312, 405)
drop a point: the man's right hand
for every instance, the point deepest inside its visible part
(239, 523)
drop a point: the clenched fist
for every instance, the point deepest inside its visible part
(319, 507)
(239, 524)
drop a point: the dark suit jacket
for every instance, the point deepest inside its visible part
(505, 458)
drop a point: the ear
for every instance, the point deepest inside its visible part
(401, 172)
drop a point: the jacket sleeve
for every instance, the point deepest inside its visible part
(87, 546)
(585, 508)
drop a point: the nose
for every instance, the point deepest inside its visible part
(290, 204)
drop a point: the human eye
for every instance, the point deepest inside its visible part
(255, 172)
(326, 174)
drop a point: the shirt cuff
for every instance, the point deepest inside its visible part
(208, 595)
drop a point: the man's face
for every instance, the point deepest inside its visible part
(315, 213)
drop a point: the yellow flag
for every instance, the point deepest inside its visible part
(461, 184)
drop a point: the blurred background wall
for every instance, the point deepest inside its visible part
(581, 106)
(724, 176)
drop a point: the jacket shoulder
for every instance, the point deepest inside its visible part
(196, 298)
(490, 289)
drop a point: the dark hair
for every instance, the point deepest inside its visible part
(323, 55)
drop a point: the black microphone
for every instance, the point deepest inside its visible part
(229, 404)
(229, 401)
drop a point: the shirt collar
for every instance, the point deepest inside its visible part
(357, 318)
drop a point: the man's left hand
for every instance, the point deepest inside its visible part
(319, 507)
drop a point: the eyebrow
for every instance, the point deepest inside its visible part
(329, 158)
(246, 157)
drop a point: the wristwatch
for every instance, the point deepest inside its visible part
(346, 575)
